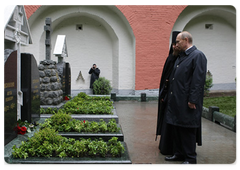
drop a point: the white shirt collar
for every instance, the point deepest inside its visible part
(188, 48)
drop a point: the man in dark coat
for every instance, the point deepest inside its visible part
(185, 99)
(164, 129)
(95, 74)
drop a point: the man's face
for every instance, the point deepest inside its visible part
(175, 49)
(174, 46)
(180, 43)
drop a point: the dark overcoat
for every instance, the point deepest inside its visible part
(163, 129)
(187, 85)
(167, 69)
(94, 75)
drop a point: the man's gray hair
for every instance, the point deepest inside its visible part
(187, 35)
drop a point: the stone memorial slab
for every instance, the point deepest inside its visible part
(68, 79)
(60, 51)
(30, 85)
(10, 95)
(64, 73)
(16, 34)
(61, 68)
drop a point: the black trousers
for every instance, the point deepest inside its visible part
(184, 143)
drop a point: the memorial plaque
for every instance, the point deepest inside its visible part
(10, 96)
(30, 84)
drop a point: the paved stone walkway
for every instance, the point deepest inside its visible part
(138, 121)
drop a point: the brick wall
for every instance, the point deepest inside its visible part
(152, 27)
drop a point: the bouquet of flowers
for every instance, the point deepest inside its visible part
(24, 127)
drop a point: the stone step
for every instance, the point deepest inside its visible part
(90, 117)
(105, 136)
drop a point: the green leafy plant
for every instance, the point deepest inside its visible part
(84, 104)
(112, 126)
(208, 83)
(47, 143)
(102, 86)
(102, 148)
(63, 122)
(115, 147)
(48, 110)
(102, 126)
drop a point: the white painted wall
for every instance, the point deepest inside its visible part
(85, 47)
(218, 44)
(106, 39)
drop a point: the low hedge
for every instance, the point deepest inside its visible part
(84, 104)
(47, 143)
(63, 122)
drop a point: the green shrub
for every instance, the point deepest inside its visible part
(208, 83)
(84, 104)
(48, 110)
(102, 86)
(63, 122)
(47, 143)
(115, 147)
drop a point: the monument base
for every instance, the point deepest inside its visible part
(53, 106)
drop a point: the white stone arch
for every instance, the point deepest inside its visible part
(108, 23)
(214, 32)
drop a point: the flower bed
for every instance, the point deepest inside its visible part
(47, 143)
(63, 122)
(123, 160)
(84, 104)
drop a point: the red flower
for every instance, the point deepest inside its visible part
(24, 129)
(18, 128)
(66, 98)
(84, 121)
(21, 130)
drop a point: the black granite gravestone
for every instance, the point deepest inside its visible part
(61, 67)
(64, 73)
(10, 95)
(30, 84)
(68, 79)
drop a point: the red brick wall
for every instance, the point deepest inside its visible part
(152, 27)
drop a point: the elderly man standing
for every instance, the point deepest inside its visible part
(164, 129)
(185, 99)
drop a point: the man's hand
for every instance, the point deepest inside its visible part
(191, 105)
